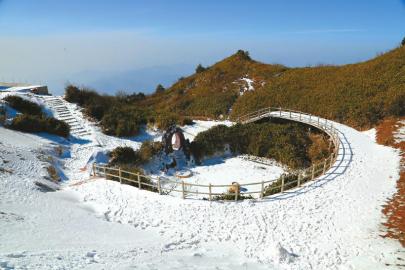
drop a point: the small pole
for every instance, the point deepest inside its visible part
(119, 174)
(159, 187)
(280, 111)
(94, 169)
(300, 116)
(209, 191)
(299, 180)
(318, 120)
(310, 116)
(282, 183)
(290, 114)
(183, 189)
(139, 181)
(262, 192)
(324, 167)
(313, 172)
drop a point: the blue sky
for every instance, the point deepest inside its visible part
(133, 45)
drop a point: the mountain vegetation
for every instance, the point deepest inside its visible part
(359, 95)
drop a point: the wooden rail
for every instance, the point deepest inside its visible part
(267, 188)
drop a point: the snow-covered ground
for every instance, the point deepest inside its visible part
(333, 223)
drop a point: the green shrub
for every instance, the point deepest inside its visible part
(23, 106)
(124, 155)
(128, 156)
(287, 143)
(35, 123)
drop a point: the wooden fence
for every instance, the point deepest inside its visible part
(264, 188)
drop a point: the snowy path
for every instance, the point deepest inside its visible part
(333, 223)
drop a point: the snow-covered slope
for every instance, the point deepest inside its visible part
(331, 224)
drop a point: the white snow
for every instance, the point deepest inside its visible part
(247, 85)
(400, 134)
(334, 223)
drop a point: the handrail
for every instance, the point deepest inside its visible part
(308, 174)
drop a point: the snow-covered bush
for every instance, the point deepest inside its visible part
(35, 123)
(23, 105)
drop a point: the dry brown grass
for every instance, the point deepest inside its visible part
(395, 208)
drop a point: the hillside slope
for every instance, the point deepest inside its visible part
(357, 94)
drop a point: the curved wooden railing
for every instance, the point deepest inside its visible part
(260, 189)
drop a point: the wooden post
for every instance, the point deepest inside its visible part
(209, 191)
(313, 172)
(139, 181)
(119, 174)
(94, 169)
(324, 167)
(262, 191)
(299, 180)
(183, 189)
(282, 183)
(159, 186)
(280, 111)
(237, 192)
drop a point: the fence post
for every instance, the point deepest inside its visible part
(119, 174)
(300, 116)
(282, 183)
(313, 172)
(209, 191)
(139, 181)
(262, 191)
(324, 167)
(159, 187)
(331, 161)
(94, 169)
(299, 180)
(280, 111)
(183, 189)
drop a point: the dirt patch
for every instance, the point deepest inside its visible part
(395, 208)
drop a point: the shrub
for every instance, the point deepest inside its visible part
(159, 89)
(200, 69)
(128, 156)
(23, 106)
(35, 123)
(186, 121)
(124, 155)
(287, 143)
(148, 150)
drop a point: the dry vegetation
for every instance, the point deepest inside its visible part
(395, 208)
